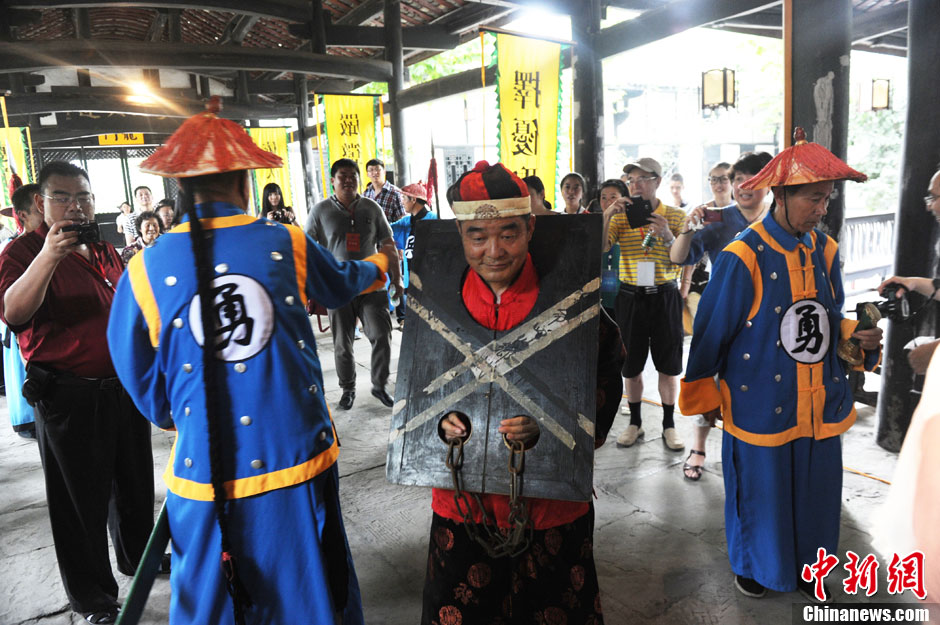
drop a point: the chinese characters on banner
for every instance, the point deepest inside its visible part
(528, 90)
(350, 129)
(273, 140)
(13, 147)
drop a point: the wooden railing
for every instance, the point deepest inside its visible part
(867, 247)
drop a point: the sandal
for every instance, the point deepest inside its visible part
(102, 617)
(696, 471)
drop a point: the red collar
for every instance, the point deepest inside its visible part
(514, 304)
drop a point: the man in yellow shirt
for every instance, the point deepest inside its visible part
(649, 308)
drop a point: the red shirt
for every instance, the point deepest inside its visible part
(514, 305)
(68, 331)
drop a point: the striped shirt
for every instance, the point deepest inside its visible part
(631, 248)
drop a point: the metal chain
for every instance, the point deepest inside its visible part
(497, 543)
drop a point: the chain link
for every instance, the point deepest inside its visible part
(497, 542)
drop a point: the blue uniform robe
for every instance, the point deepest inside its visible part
(278, 440)
(768, 326)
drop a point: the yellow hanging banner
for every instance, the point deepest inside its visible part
(13, 158)
(350, 129)
(273, 140)
(528, 91)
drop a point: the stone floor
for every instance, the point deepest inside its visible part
(659, 539)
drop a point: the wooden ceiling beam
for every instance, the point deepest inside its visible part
(363, 13)
(92, 104)
(28, 80)
(27, 57)
(157, 26)
(880, 22)
(413, 37)
(63, 131)
(671, 19)
(237, 29)
(290, 10)
(286, 87)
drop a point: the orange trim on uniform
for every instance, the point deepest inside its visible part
(212, 223)
(143, 294)
(699, 396)
(298, 239)
(881, 354)
(828, 430)
(829, 252)
(811, 397)
(380, 261)
(761, 230)
(256, 484)
(743, 251)
(811, 389)
(848, 327)
(761, 440)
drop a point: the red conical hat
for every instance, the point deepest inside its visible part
(803, 163)
(207, 144)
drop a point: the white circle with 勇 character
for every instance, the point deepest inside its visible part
(242, 314)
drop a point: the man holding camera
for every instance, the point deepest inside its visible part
(920, 355)
(56, 288)
(770, 327)
(649, 309)
(706, 232)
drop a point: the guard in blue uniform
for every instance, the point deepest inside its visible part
(259, 494)
(770, 327)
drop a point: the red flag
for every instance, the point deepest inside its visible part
(432, 181)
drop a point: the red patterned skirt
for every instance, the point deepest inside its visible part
(553, 583)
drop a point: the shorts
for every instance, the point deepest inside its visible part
(651, 323)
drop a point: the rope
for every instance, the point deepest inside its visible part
(6, 127)
(845, 468)
(316, 117)
(382, 130)
(32, 159)
(483, 86)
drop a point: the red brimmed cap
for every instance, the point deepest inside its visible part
(489, 192)
(207, 144)
(416, 190)
(802, 163)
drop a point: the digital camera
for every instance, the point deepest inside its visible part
(87, 232)
(892, 307)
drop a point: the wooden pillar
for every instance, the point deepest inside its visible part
(817, 42)
(306, 152)
(241, 88)
(588, 92)
(174, 26)
(393, 54)
(205, 92)
(915, 228)
(318, 28)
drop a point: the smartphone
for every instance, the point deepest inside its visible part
(712, 215)
(638, 212)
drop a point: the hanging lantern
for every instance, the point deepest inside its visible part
(718, 88)
(880, 94)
